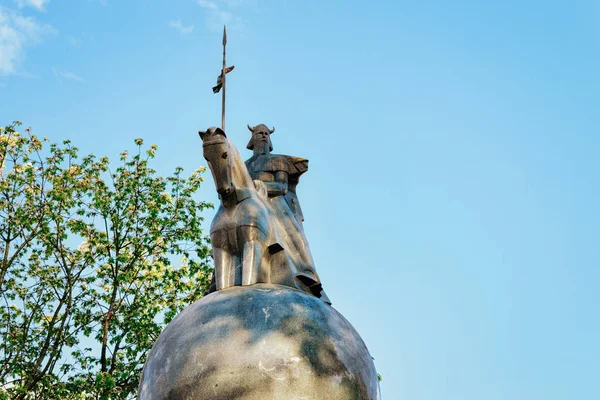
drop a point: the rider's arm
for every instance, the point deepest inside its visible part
(279, 186)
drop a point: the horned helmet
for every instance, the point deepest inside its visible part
(261, 128)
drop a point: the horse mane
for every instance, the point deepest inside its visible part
(239, 173)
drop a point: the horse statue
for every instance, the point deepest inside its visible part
(250, 244)
(241, 231)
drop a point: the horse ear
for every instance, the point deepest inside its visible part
(219, 131)
(201, 133)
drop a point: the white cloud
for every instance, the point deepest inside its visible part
(219, 13)
(16, 34)
(214, 4)
(67, 75)
(240, 3)
(179, 27)
(37, 4)
(211, 5)
(73, 41)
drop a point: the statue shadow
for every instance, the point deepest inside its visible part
(252, 342)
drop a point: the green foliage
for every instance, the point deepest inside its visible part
(87, 278)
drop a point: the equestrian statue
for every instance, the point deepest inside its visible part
(257, 234)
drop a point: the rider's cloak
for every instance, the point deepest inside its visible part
(289, 228)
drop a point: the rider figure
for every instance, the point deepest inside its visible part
(281, 174)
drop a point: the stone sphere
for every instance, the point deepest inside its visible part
(259, 342)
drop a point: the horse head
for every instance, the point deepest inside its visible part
(215, 146)
(225, 162)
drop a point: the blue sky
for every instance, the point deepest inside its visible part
(452, 197)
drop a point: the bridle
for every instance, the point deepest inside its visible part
(212, 142)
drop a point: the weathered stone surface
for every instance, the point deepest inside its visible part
(259, 342)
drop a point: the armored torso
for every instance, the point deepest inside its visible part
(264, 166)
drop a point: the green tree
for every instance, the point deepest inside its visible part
(94, 263)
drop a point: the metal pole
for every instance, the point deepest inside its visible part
(223, 72)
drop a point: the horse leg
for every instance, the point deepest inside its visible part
(223, 268)
(252, 253)
(251, 262)
(223, 260)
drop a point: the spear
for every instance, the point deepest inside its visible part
(221, 79)
(224, 73)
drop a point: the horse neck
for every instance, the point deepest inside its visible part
(239, 173)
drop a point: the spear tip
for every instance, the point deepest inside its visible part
(224, 35)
